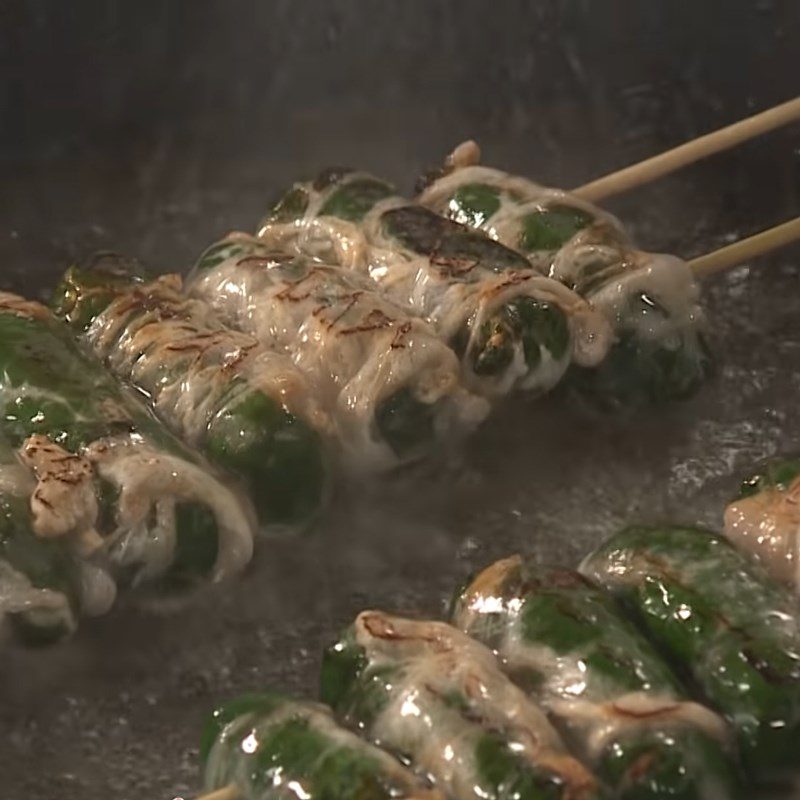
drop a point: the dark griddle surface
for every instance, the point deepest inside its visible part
(154, 128)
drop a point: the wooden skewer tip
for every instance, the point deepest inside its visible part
(225, 793)
(745, 249)
(652, 168)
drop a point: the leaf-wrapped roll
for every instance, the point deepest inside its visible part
(246, 407)
(566, 642)
(132, 491)
(728, 628)
(391, 386)
(511, 327)
(440, 701)
(651, 300)
(274, 748)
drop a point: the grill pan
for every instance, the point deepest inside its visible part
(153, 128)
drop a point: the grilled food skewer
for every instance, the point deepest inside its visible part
(390, 385)
(512, 328)
(538, 619)
(248, 409)
(651, 301)
(117, 480)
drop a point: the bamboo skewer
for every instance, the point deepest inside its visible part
(230, 792)
(702, 147)
(745, 249)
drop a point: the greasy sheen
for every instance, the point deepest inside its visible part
(568, 644)
(274, 748)
(764, 520)
(439, 699)
(729, 629)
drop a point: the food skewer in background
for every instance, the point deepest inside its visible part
(651, 301)
(681, 156)
(512, 329)
(391, 386)
(125, 489)
(248, 409)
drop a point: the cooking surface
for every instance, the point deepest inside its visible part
(116, 712)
